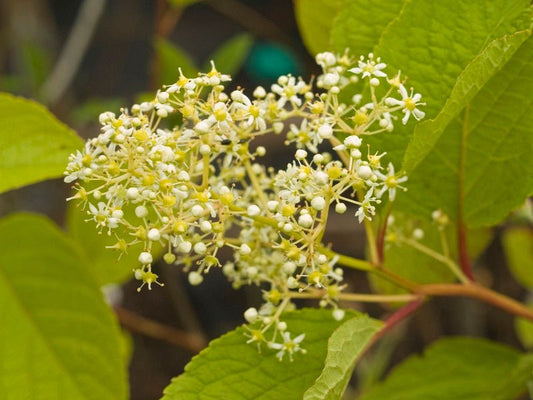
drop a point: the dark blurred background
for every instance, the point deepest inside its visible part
(84, 57)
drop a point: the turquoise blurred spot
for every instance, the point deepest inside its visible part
(267, 61)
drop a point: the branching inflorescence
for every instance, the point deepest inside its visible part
(194, 185)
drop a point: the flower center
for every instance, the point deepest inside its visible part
(391, 182)
(410, 104)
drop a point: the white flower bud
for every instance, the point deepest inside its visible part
(352, 141)
(318, 158)
(145, 258)
(321, 177)
(260, 151)
(300, 154)
(259, 92)
(132, 193)
(289, 267)
(251, 272)
(305, 221)
(321, 259)
(374, 82)
(356, 154)
(331, 79)
(418, 234)
(318, 203)
(162, 97)
(117, 214)
(138, 273)
(205, 149)
(202, 127)
(245, 249)
(292, 282)
(364, 172)
(184, 176)
(197, 210)
(340, 208)
(278, 127)
(154, 235)
(253, 210)
(205, 226)
(282, 326)
(195, 278)
(185, 247)
(325, 131)
(338, 314)
(200, 248)
(288, 228)
(272, 205)
(250, 315)
(141, 211)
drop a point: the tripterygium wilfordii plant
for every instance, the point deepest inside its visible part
(188, 186)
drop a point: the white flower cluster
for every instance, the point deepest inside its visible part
(196, 187)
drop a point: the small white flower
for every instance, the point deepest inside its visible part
(369, 67)
(409, 102)
(289, 345)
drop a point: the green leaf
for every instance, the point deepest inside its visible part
(360, 24)
(315, 21)
(431, 52)
(58, 337)
(34, 145)
(491, 142)
(344, 348)
(230, 56)
(460, 369)
(232, 369)
(170, 57)
(518, 246)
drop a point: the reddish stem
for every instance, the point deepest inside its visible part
(464, 259)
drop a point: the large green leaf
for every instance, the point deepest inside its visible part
(315, 21)
(58, 338)
(232, 369)
(431, 42)
(230, 56)
(344, 348)
(360, 24)
(481, 166)
(458, 369)
(34, 145)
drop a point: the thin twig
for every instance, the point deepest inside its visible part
(137, 323)
(479, 292)
(72, 54)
